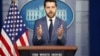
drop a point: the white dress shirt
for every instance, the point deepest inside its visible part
(48, 20)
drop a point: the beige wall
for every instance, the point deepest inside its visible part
(82, 27)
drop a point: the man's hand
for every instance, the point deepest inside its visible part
(60, 32)
(39, 31)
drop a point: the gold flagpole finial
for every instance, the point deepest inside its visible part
(14, 1)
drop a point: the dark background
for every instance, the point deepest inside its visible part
(0, 15)
(94, 26)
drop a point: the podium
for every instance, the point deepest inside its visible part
(47, 50)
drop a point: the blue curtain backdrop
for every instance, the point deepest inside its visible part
(0, 15)
(94, 27)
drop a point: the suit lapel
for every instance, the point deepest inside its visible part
(46, 27)
(56, 24)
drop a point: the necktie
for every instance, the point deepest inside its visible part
(50, 29)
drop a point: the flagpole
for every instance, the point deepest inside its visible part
(14, 1)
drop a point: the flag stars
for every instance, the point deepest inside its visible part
(14, 23)
(7, 26)
(14, 13)
(4, 26)
(7, 30)
(9, 17)
(17, 21)
(20, 25)
(20, 29)
(5, 22)
(9, 34)
(8, 21)
(16, 29)
(10, 30)
(21, 21)
(13, 30)
(13, 34)
(16, 34)
(10, 25)
(18, 17)
(11, 21)
(9, 13)
(17, 25)
(15, 8)
(18, 12)
(12, 38)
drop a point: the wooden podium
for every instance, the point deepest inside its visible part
(47, 50)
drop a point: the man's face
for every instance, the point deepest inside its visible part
(50, 9)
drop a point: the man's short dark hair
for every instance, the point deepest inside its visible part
(50, 1)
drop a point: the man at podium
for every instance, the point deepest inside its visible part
(50, 30)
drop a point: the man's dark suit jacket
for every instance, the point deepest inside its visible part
(45, 37)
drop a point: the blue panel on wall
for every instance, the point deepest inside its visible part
(94, 28)
(34, 10)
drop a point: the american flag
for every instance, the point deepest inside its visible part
(13, 32)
